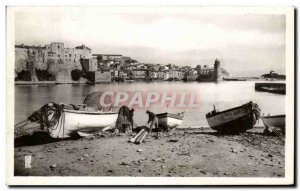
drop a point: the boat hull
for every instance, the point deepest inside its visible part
(82, 122)
(169, 120)
(275, 121)
(232, 121)
(276, 88)
(239, 125)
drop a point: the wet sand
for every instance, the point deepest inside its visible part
(189, 153)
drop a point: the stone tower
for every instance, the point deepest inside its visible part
(198, 69)
(218, 74)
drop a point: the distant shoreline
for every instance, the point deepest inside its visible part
(134, 81)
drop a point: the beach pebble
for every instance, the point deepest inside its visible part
(86, 155)
(210, 140)
(203, 172)
(81, 159)
(124, 163)
(110, 170)
(53, 166)
(233, 150)
(173, 140)
(139, 150)
(162, 166)
(269, 155)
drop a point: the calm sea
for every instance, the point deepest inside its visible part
(223, 95)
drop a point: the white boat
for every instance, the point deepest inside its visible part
(274, 121)
(81, 122)
(170, 120)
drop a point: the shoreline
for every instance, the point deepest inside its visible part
(133, 81)
(195, 153)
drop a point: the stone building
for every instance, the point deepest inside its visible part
(139, 73)
(215, 73)
(176, 74)
(49, 60)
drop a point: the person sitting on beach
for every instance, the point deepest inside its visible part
(152, 122)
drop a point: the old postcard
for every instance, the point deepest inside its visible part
(150, 95)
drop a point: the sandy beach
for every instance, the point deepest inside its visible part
(188, 153)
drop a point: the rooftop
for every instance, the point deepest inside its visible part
(82, 47)
(25, 46)
(107, 55)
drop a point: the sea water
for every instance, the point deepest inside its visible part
(222, 95)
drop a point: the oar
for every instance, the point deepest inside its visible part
(22, 123)
(132, 140)
(142, 137)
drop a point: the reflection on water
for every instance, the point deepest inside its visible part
(223, 95)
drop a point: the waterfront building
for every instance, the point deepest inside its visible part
(190, 75)
(153, 74)
(161, 75)
(139, 73)
(175, 74)
(123, 74)
(99, 76)
(88, 65)
(108, 57)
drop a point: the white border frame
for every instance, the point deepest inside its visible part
(49, 180)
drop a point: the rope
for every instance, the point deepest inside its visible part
(271, 127)
(42, 116)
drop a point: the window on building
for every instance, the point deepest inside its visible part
(58, 56)
(57, 46)
(70, 55)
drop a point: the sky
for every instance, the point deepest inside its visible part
(246, 44)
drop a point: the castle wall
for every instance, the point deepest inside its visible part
(53, 58)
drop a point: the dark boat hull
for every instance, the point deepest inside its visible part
(240, 125)
(277, 88)
(235, 120)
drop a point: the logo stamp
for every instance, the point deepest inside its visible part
(28, 161)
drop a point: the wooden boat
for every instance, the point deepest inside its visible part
(277, 88)
(170, 120)
(274, 121)
(234, 79)
(235, 120)
(81, 122)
